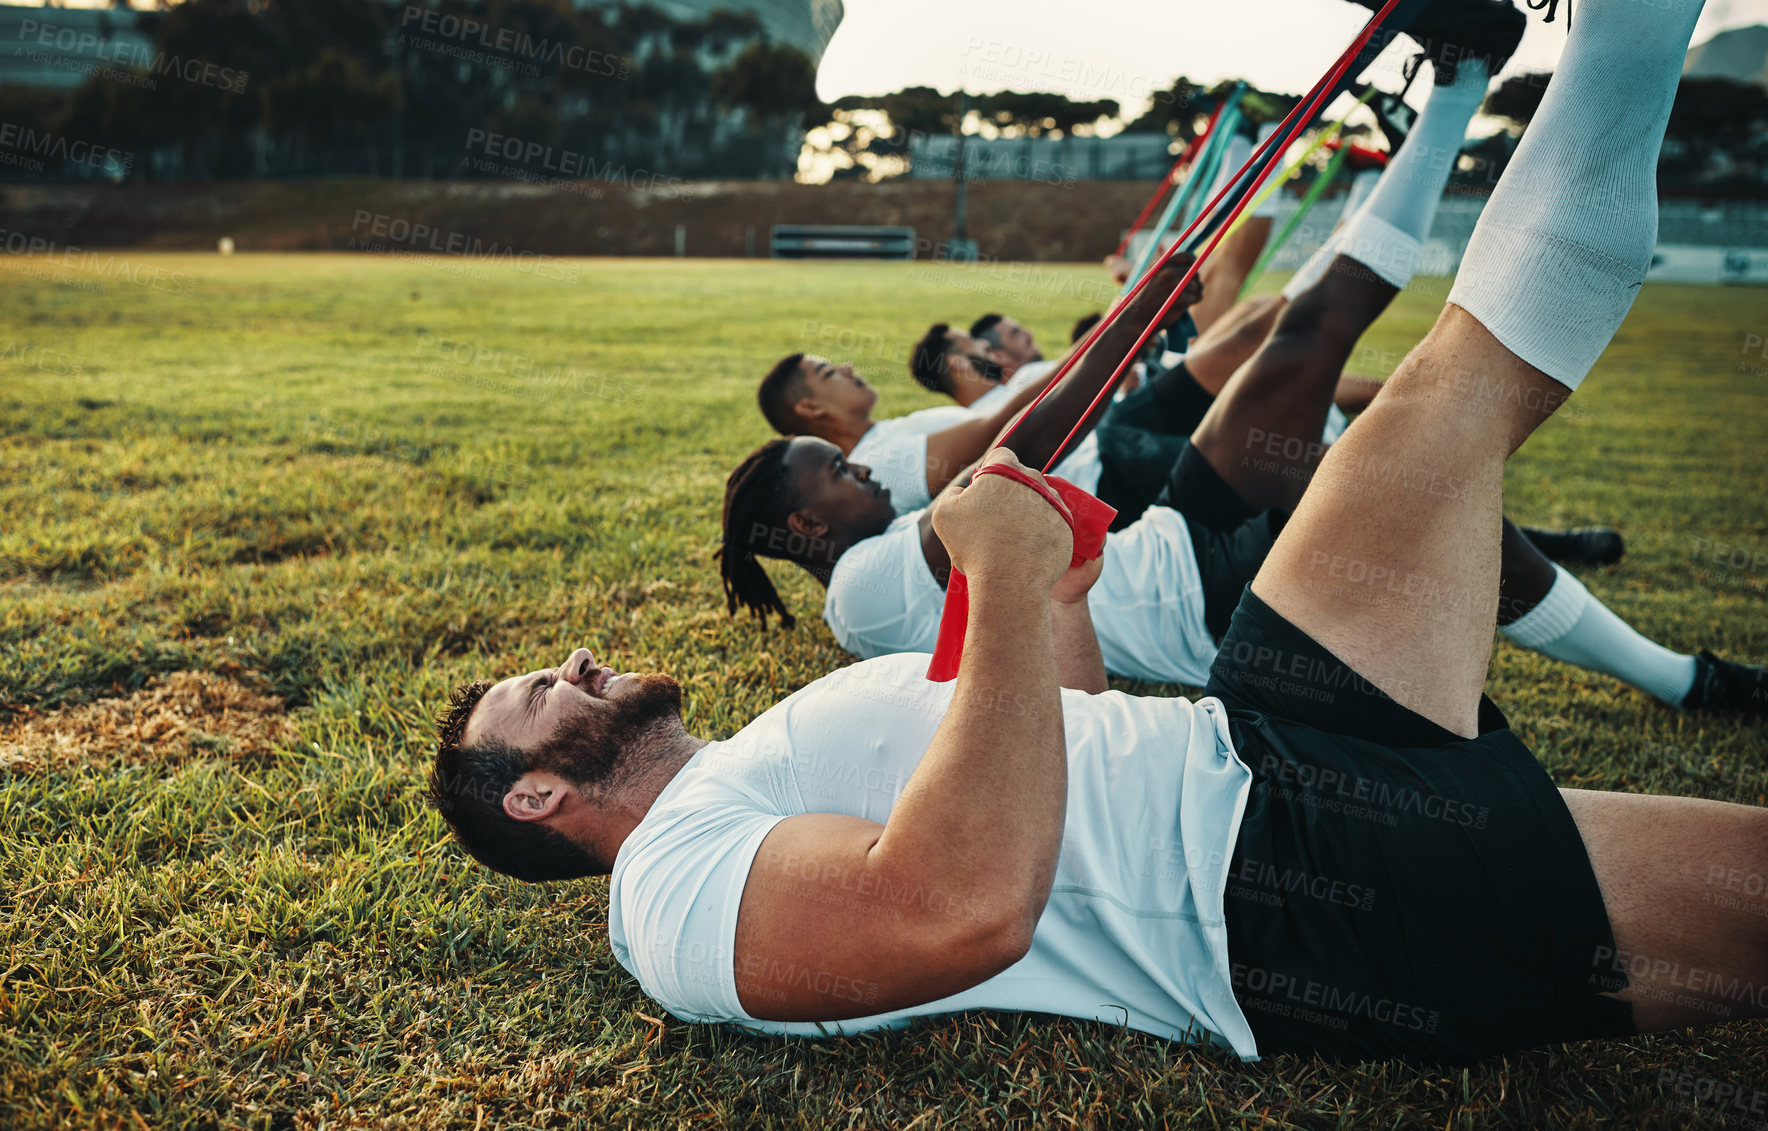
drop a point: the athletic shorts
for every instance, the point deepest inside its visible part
(1141, 435)
(1231, 540)
(1198, 491)
(1396, 891)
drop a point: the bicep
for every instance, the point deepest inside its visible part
(827, 930)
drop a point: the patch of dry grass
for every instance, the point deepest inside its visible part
(175, 718)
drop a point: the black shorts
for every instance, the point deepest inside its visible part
(1230, 538)
(1228, 560)
(1397, 891)
(1198, 491)
(1140, 437)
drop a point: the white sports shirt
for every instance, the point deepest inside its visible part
(896, 451)
(1133, 933)
(1147, 605)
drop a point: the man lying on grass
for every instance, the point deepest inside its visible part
(878, 847)
(1173, 576)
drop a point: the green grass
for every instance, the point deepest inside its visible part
(272, 469)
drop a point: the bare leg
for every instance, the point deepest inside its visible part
(1224, 272)
(1232, 341)
(1406, 592)
(1262, 434)
(1675, 875)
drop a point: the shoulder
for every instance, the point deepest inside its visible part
(872, 570)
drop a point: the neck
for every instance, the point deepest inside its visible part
(822, 567)
(844, 434)
(618, 809)
(967, 393)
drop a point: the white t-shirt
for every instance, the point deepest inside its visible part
(896, 451)
(1027, 374)
(1133, 933)
(1147, 605)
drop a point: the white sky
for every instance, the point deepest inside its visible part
(1124, 49)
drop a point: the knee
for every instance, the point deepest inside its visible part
(1312, 322)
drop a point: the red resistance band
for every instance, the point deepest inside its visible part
(1361, 156)
(1088, 519)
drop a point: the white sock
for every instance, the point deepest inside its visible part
(1572, 626)
(1387, 234)
(1316, 267)
(1320, 262)
(1560, 252)
(1416, 176)
(1363, 184)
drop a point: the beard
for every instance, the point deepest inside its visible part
(989, 370)
(595, 749)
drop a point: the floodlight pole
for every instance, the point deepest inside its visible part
(958, 165)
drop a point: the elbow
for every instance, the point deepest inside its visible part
(1004, 940)
(1015, 941)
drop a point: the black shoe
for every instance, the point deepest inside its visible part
(1722, 686)
(1586, 545)
(1452, 30)
(1392, 114)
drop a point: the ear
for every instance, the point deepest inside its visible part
(535, 796)
(809, 408)
(806, 525)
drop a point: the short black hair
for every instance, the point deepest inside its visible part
(467, 786)
(779, 391)
(984, 327)
(759, 497)
(927, 360)
(1082, 324)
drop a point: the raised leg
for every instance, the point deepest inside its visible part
(1409, 501)
(1392, 559)
(1262, 433)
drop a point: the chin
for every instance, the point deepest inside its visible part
(635, 686)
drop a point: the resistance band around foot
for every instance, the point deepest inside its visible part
(948, 652)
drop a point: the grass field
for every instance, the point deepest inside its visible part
(261, 513)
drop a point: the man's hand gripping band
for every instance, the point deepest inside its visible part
(1088, 519)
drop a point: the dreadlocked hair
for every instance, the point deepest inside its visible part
(758, 497)
(927, 361)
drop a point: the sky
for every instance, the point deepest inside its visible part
(1125, 49)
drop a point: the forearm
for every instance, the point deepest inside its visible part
(981, 817)
(1037, 438)
(1078, 658)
